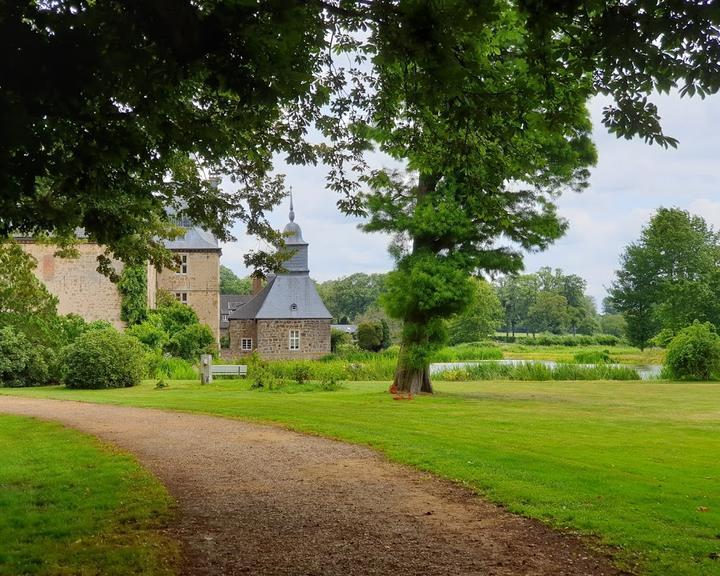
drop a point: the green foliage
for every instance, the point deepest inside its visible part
(22, 363)
(331, 378)
(338, 338)
(230, 283)
(351, 296)
(480, 319)
(25, 303)
(669, 277)
(694, 354)
(174, 316)
(592, 357)
(556, 340)
(301, 372)
(132, 287)
(151, 333)
(370, 336)
(536, 371)
(663, 338)
(103, 359)
(548, 313)
(613, 324)
(192, 341)
(160, 366)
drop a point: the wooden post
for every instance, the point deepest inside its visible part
(206, 369)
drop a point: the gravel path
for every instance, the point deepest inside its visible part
(257, 499)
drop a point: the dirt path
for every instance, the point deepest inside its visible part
(261, 500)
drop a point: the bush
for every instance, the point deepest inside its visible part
(370, 336)
(663, 338)
(338, 338)
(694, 354)
(149, 333)
(21, 362)
(103, 359)
(301, 373)
(192, 341)
(592, 357)
(331, 378)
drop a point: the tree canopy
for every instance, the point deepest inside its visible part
(231, 283)
(669, 277)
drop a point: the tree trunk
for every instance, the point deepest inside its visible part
(410, 379)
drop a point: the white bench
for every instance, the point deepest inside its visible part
(229, 370)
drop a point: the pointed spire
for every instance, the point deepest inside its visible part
(292, 212)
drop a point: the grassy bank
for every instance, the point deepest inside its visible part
(634, 463)
(71, 506)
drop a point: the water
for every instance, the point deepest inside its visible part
(645, 371)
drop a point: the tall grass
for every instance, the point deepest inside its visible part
(357, 364)
(173, 369)
(535, 371)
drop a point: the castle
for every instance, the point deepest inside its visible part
(284, 319)
(287, 318)
(82, 290)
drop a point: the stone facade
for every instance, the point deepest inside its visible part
(81, 290)
(199, 280)
(271, 338)
(78, 286)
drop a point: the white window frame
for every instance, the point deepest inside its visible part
(181, 297)
(225, 317)
(294, 340)
(246, 344)
(182, 270)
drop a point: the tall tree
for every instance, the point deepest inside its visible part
(549, 313)
(667, 278)
(113, 112)
(231, 283)
(350, 296)
(480, 319)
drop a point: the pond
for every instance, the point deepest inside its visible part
(646, 371)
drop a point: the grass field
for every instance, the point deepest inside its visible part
(69, 505)
(620, 354)
(636, 464)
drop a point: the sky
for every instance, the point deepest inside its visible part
(630, 181)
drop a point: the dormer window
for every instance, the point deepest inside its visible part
(293, 307)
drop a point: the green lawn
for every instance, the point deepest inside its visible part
(620, 354)
(69, 505)
(635, 463)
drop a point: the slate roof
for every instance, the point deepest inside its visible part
(285, 296)
(195, 239)
(347, 328)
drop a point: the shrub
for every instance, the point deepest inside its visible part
(663, 338)
(192, 341)
(338, 338)
(21, 362)
(301, 373)
(331, 378)
(592, 357)
(160, 366)
(694, 354)
(149, 333)
(370, 336)
(174, 316)
(103, 359)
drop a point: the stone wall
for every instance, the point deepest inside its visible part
(79, 287)
(273, 339)
(201, 282)
(238, 330)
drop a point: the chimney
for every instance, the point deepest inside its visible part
(257, 285)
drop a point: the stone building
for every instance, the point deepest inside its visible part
(287, 318)
(82, 290)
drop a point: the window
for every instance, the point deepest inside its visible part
(246, 344)
(183, 264)
(293, 307)
(294, 339)
(181, 297)
(225, 317)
